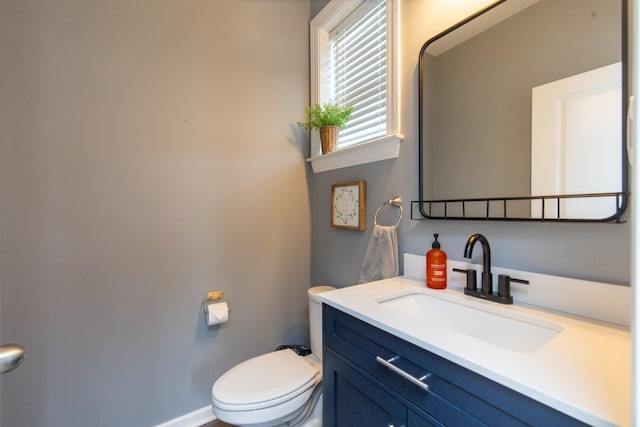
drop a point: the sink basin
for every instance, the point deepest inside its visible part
(512, 331)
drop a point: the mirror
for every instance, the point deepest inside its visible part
(521, 110)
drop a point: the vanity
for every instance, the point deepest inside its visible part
(397, 353)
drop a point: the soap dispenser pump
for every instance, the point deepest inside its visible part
(436, 266)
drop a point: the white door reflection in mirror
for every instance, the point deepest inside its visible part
(575, 130)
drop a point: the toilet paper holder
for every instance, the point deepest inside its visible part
(216, 296)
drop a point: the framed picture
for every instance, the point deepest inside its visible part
(348, 206)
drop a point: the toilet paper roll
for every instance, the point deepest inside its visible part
(217, 312)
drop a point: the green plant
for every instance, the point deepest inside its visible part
(328, 114)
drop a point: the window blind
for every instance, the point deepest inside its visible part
(359, 72)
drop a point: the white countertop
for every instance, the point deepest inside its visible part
(584, 371)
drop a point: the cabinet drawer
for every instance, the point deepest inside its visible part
(357, 400)
(455, 395)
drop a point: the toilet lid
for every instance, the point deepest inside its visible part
(264, 378)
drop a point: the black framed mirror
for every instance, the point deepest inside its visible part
(522, 114)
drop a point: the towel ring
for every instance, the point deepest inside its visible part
(397, 202)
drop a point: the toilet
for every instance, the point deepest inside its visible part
(278, 388)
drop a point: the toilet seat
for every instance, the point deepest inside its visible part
(264, 381)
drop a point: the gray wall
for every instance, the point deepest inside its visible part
(149, 154)
(588, 251)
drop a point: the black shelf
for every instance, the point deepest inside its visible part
(502, 208)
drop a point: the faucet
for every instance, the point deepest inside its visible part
(486, 291)
(487, 277)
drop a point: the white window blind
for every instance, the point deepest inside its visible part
(359, 71)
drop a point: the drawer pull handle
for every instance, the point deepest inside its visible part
(417, 381)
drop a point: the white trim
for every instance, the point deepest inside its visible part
(192, 419)
(381, 149)
(368, 152)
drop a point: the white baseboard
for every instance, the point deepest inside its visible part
(192, 419)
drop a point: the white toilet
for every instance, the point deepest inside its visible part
(277, 388)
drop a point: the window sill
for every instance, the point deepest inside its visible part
(369, 152)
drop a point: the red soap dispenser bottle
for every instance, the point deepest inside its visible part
(436, 266)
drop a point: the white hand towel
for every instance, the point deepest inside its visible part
(381, 258)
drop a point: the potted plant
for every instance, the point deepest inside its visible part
(327, 119)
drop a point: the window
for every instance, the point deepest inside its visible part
(359, 72)
(353, 62)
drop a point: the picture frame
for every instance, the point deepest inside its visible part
(348, 206)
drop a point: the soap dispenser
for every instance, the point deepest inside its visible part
(436, 266)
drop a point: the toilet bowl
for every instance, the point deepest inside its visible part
(276, 388)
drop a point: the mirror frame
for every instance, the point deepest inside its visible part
(501, 204)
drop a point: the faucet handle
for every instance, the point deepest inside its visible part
(471, 277)
(504, 284)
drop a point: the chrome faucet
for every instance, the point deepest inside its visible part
(486, 291)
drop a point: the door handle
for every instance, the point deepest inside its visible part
(11, 355)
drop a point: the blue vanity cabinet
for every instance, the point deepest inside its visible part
(361, 390)
(360, 401)
(363, 402)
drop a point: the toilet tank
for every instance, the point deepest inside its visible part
(315, 318)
